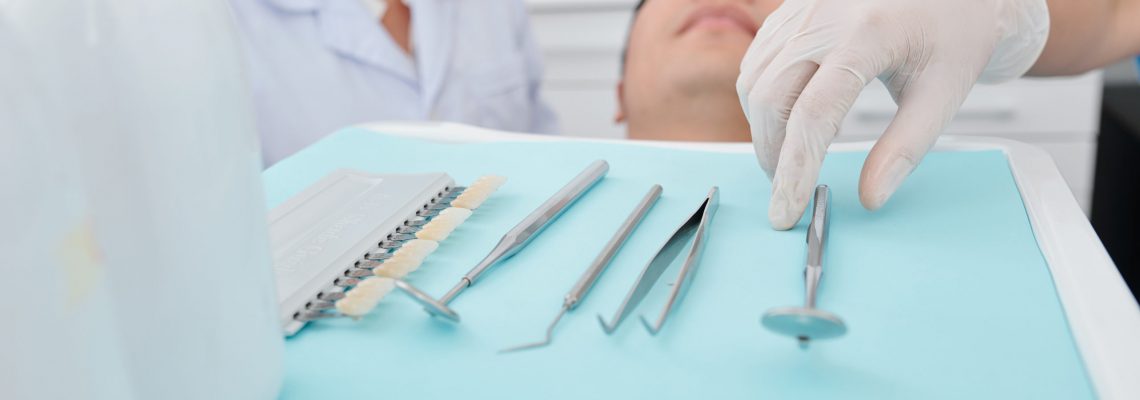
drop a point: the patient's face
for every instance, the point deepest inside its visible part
(680, 50)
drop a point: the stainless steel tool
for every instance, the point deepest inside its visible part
(314, 312)
(519, 236)
(434, 307)
(809, 323)
(696, 228)
(582, 287)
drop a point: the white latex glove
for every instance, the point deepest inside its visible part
(812, 58)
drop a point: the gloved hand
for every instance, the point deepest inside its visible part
(812, 58)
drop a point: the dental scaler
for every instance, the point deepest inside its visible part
(519, 236)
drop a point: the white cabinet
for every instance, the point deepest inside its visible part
(582, 40)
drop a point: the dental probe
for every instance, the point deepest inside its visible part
(582, 287)
(519, 236)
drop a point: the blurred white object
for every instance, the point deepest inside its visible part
(136, 257)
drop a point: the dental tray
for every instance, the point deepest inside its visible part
(946, 291)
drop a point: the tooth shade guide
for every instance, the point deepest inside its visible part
(353, 307)
(401, 258)
(418, 247)
(407, 229)
(469, 202)
(367, 264)
(436, 233)
(377, 255)
(396, 268)
(453, 214)
(373, 287)
(365, 296)
(456, 211)
(405, 250)
(442, 226)
(438, 230)
(358, 273)
(453, 218)
(478, 192)
(493, 181)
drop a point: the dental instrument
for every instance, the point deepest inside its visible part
(519, 236)
(591, 275)
(809, 323)
(695, 229)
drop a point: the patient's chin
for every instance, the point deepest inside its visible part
(705, 68)
(701, 76)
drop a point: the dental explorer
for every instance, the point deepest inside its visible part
(808, 322)
(519, 236)
(591, 275)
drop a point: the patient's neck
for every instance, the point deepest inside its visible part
(397, 19)
(703, 116)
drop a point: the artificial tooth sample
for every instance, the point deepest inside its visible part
(354, 307)
(470, 199)
(491, 181)
(462, 212)
(395, 268)
(400, 265)
(478, 192)
(418, 247)
(372, 288)
(363, 298)
(437, 230)
(442, 225)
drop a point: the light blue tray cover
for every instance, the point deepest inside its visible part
(945, 292)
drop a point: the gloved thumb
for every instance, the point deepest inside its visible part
(926, 105)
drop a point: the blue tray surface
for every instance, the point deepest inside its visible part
(945, 292)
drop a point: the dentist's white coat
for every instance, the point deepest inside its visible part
(319, 65)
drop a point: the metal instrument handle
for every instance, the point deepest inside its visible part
(538, 220)
(591, 276)
(816, 243)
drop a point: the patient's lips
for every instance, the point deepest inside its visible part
(724, 17)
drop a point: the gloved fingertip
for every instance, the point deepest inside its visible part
(780, 214)
(879, 184)
(872, 201)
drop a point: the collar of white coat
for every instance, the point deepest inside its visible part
(349, 28)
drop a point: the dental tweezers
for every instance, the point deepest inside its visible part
(519, 236)
(695, 228)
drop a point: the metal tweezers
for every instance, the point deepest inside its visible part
(696, 226)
